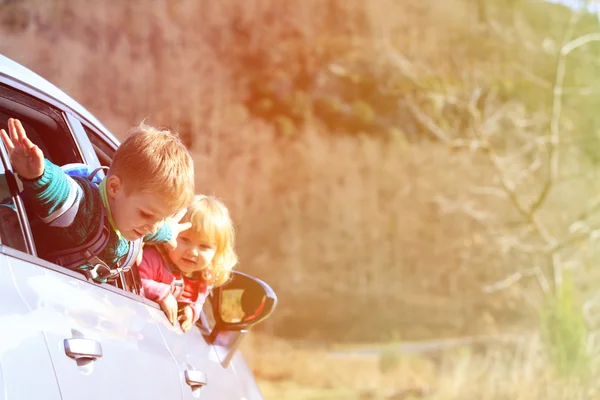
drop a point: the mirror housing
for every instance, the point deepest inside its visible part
(242, 302)
(238, 305)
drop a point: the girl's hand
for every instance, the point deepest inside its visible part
(26, 158)
(176, 227)
(169, 306)
(185, 318)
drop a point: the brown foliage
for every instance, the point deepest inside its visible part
(352, 232)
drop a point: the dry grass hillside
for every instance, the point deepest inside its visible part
(319, 123)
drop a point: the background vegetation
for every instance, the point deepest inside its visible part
(408, 169)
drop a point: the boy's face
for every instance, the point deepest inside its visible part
(136, 214)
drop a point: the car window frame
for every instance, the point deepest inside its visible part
(84, 150)
(26, 233)
(26, 100)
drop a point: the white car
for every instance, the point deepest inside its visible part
(66, 337)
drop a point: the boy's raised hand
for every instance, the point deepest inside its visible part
(176, 227)
(26, 158)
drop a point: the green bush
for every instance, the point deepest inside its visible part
(564, 330)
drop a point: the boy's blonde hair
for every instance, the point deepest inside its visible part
(152, 160)
(212, 223)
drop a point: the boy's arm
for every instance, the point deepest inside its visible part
(169, 230)
(163, 235)
(54, 196)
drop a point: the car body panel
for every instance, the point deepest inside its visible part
(26, 370)
(134, 360)
(192, 352)
(242, 371)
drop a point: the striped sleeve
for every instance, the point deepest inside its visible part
(163, 235)
(54, 196)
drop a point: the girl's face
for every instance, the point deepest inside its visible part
(192, 253)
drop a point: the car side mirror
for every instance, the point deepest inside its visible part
(242, 302)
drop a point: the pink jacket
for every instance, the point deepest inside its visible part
(159, 280)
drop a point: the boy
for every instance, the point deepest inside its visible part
(151, 178)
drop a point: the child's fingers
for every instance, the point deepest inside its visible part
(184, 226)
(38, 153)
(174, 315)
(186, 323)
(27, 143)
(20, 130)
(12, 129)
(35, 151)
(180, 215)
(169, 310)
(7, 142)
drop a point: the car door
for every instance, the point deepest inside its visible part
(209, 349)
(104, 344)
(102, 340)
(197, 360)
(24, 355)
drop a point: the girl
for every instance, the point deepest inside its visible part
(179, 279)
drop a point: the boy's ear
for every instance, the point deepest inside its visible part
(113, 185)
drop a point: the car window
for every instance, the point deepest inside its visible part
(44, 125)
(104, 150)
(11, 228)
(46, 128)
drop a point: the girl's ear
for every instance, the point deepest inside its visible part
(113, 185)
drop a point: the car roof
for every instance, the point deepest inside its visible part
(25, 76)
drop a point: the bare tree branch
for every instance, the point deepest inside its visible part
(537, 80)
(405, 66)
(448, 206)
(553, 153)
(427, 122)
(580, 41)
(573, 239)
(588, 212)
(510, 189)
(537, 153)
(515, 242)
(516, 277)
(488, 191)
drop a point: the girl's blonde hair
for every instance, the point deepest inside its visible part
(212, 223)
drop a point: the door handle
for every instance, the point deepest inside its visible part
(80, 348)
(195, 378)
